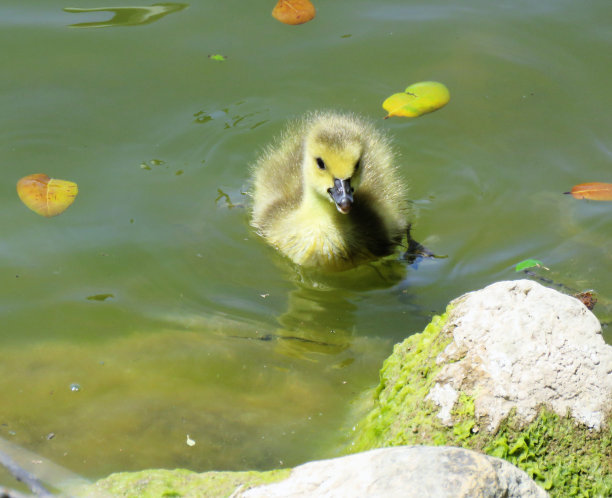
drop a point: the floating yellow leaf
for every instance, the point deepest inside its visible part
(595, 191)
(46, 196)
(294, 11)
(419, 98)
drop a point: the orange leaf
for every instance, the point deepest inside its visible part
(595, 191)
(294, 11)
(46, 196)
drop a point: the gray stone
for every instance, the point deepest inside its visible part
(520, 345)
(404, 471)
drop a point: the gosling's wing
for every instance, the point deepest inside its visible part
(277, 177)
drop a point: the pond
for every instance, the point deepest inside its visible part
(149, 316)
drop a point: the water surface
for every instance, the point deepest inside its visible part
(154, 296)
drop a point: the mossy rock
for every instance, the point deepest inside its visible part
(564, 457)
(178, 483)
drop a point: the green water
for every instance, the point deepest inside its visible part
(206, 331)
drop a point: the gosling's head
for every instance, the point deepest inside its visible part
(333, 162)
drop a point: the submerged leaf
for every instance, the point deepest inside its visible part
(595, 191)
(418, 99)
(100, 297)
(46, 196)
(294, 11)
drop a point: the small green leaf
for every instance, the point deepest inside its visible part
(529, 263)
(217, 57)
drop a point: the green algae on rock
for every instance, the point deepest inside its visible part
(565, 458)
(179, 482)
(401, 416)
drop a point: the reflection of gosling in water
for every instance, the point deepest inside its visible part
(327, 194)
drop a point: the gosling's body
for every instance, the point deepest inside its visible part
(327, 194)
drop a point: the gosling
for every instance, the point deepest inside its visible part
(327, 195)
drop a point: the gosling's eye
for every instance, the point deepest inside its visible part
(320, 163)
(357, 164)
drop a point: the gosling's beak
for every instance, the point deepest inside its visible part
(342, 194)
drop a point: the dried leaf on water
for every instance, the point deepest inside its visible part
(594, 191)
(294, 11)
(587, 298)
(46, 196)
(418, 99)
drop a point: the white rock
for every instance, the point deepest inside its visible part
(403, 471)
(445, 397)
(518, 345)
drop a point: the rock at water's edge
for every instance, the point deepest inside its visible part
(515, 370)
(519, 345)
(407, 471)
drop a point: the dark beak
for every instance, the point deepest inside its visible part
(342, 194)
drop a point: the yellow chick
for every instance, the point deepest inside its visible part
(327, 195)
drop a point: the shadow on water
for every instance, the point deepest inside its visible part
(320, 315)
(127, 16)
